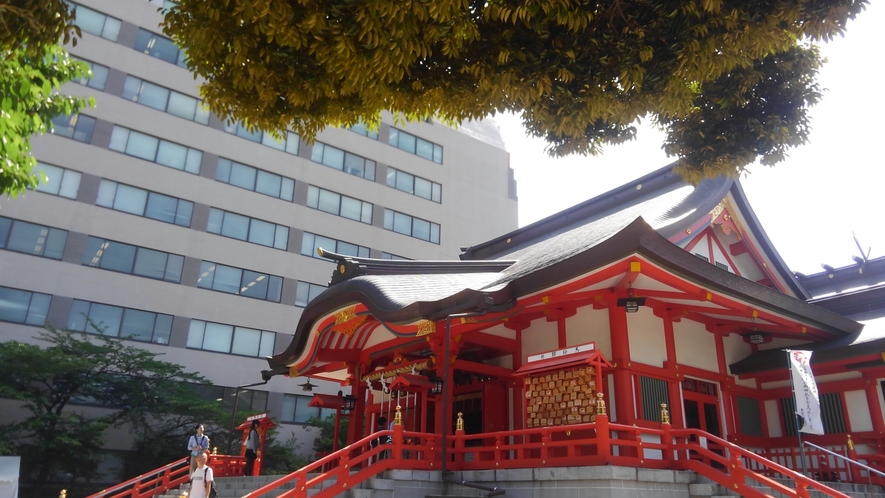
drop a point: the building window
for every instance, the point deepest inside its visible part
(77, 126)
(411, 226)
(654, 392)
(141, 202)
(415, 145)
(133, 260)
(115, 321)
(414, 185)
(831, 412)
(160, 47)
(306, 291)
(28, 238)
(364, 131)
(240, 282)
(339, 205)
(288, 144)
(97, 78)
(221, 338)
(20, 306)
(749, 416)
(59, 181)
(156, 150)
(256, 180)
(246, 400)
(237, 226)
(96, 23)
(311, 242)
(394, 257)
(297, 411)
(163, 99)
(341, 160)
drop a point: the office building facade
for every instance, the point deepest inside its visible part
(197, 238)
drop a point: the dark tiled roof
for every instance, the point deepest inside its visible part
(861, 342)
(408, 297)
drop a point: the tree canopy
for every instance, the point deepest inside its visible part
(730, 81)
(32, 69)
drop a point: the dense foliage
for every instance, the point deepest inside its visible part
(29, 99)
(74, 387)
(32, 69)
(730, 80)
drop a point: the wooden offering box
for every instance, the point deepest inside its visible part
(561, 385)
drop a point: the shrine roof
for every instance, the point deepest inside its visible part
(401, 295)
(662, 198)
(869, 339)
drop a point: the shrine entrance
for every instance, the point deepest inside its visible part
(701, 405)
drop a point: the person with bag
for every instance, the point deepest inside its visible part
(198, 443)
(202, 479)
(252, 444)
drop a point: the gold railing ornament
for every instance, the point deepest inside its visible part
(63, 493)
(459, 425)
(850, 443)
(398, 418)
(215, 451)
(665, 417)
(600, 404)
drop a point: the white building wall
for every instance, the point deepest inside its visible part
(695, 347)
(646, 337)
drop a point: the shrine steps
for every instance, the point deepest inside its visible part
(560, 482)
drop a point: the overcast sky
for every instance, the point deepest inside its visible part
(809, 205)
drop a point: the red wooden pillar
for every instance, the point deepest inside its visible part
(623, 389)
(674, 388)
(875, 409)
(358, 390)
(727, 398)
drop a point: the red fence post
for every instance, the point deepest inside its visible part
(666, 437)
(459, 441)
(853, 471)
(398, 437)
(603, 436)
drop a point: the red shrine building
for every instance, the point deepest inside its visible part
(655, 308)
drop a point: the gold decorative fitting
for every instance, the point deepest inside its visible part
(665, 417)
(215, 450)
(398, 418)
(63, 493)
(688, 231)
(600, 404)
(345, 315)
(469, 319)
(425, 327)
(342, 269)
(348, 328)
(320, 251)
(345, 466)
(568, 433)
(459, 425)
(390, 373)
(850, 443)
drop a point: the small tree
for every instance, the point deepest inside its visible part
(130, 385)
(323, 442)
(281, 457)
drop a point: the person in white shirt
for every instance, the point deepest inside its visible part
(198, 443)
(252, 444)
(202, 478)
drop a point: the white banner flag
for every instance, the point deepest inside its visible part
(805, 392)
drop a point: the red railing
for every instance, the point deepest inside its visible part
(591, 444)
(358, 462)
(171, 476)
(155, 482)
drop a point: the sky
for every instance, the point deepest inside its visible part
(809, 204)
